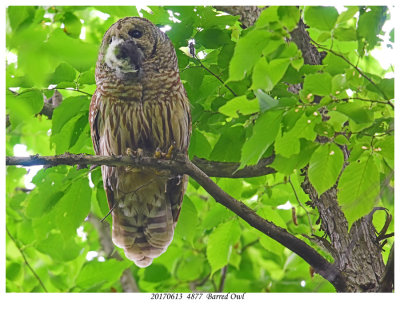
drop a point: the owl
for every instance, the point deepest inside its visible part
(140, 106)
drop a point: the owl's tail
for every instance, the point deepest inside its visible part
(143, 236)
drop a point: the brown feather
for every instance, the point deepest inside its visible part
(147, 109)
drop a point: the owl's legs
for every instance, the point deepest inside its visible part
(165, 155)
(134, 153)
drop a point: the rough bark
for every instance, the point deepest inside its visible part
(357, 252)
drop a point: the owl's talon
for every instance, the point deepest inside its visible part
(158, 154)
(170, 152)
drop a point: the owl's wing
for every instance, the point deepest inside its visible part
(94, 120)
(175, 190)
(96, 127)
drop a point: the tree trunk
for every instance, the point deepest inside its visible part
(357, 252)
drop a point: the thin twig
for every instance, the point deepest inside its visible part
(387, 281)
(134, 191)
(72, 89)
(193, 53)
(357, 69)
(223, 277)
(365, 100)
(26, 261)
(301, 205)
(249, 245)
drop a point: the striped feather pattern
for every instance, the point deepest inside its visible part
(148, 112)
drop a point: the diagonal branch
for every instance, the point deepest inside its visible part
(26, 261)
(181, 165)
(387, 281)
(358, 70)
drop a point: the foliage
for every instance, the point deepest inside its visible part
(248, 118)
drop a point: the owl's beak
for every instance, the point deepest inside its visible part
(130, 51)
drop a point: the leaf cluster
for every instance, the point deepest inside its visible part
(239, 85)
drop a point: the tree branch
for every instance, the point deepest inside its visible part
(181, 165)
(211, 168)
(387, 281)
(357, 69)
(26, 261)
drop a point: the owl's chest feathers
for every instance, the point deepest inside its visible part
(155, 120)
(145, 86)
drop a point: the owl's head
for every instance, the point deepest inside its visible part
(134, 44)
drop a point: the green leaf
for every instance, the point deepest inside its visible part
(288, 143)
(229, 145)
(286, 165)
(68, 217)
(321, 17)
(59, 248)
(81, 55)
(199, 145)
(72, 25)
(49, 189)
(118, 11)
(244, 57)
(266, 101)
(240, 104)
(79, 126)
(267, 16)
(341, 140)
(334, 64)
(272, 215)
(101, 273)
(325, 166)
(190, 268)
(359, 188)
(220, 244)
(356, 112)
(345, 34)
(215, 216)
(23, 106)
(289, 16)
(267, 75)
(264, 133)
(87, 77)
(20, 15)
(68, 109)
(318, 84)
(347, 15)
(387, 86)
(64, 72)
(212, 38)
(156, 273)
(386, 145)
(187, 222)
(370, 25)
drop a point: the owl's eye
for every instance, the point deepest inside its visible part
(135, 33)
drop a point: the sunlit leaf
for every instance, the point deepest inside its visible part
(220, 244)
(325, 166)
(358, 188)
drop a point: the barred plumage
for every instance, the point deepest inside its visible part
(140, 104)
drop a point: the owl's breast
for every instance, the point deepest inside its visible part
(157, 121)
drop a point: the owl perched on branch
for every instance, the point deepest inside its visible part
(140, 106)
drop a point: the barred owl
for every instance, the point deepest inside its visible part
(140, 105)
